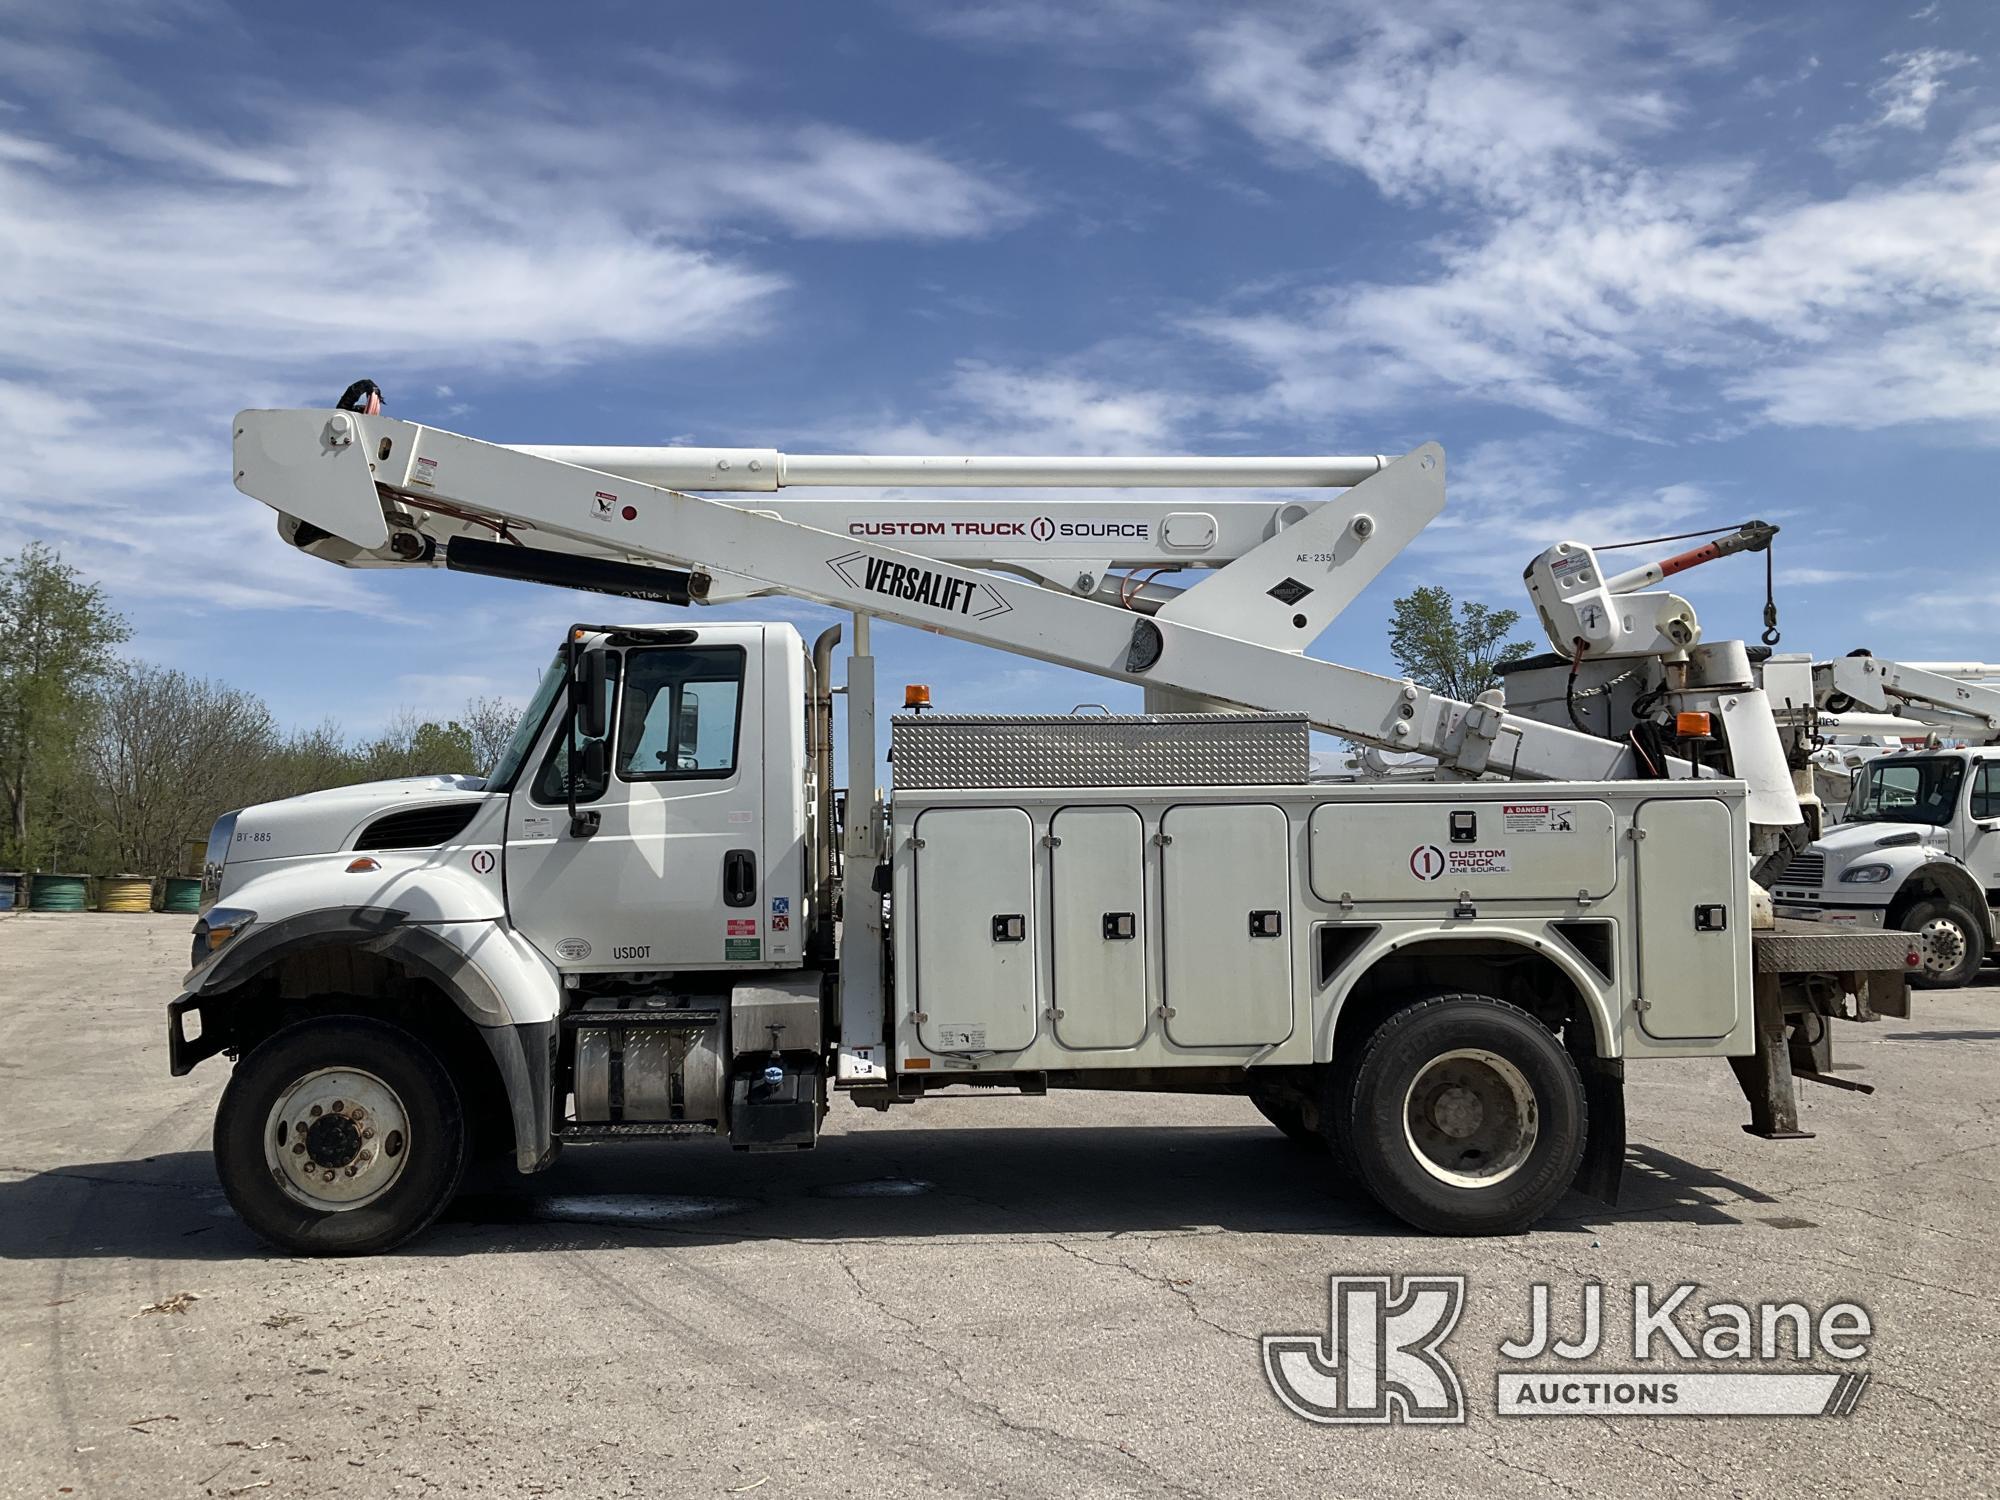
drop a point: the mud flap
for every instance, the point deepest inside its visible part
(1603, 1165)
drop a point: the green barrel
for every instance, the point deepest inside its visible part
(183, 895)
(57, 892)
(10, 889)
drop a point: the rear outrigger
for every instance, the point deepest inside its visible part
(659, 915)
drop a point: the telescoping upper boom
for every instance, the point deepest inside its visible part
(1030, 576)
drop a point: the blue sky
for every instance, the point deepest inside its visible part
(1638, 268)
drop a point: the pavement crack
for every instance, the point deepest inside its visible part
(1166, 1282)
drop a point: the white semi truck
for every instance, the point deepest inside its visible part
(1918, 848)
(656, 918)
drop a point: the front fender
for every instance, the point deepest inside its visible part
(1951, 877)
(495, 978)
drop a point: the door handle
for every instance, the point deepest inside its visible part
(739, 878)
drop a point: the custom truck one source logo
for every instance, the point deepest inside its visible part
(1429, 862)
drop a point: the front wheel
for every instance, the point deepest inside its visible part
(1950, 940)
(1466, 1116)
(341, 1136)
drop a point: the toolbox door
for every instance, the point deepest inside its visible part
(974, 876)
(1226, 919)
(1694, 939)
(1098, 926)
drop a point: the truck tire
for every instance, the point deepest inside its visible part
(1466, 1116)
(1292, 1113)
(1951, 939)
(381, 1151)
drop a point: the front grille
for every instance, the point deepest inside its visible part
(419, 828)
(1805, 869)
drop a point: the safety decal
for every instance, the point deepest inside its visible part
(536, 826)
(926, 586)
(603, 506)
(424, 472)
(1537, 817)
(736, 949)
(742, 926)
(482, 862)
(780, 905)
(781, 923)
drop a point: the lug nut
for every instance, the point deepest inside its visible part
(368, 1134)
(337, 1106)
(317, 1111)
(350, 1171)
(328, 1177)
(357, 1113)
(299, 1149)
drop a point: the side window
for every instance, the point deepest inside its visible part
(551, 788)
(683, 705)
(1986, 791)
(1899, 786)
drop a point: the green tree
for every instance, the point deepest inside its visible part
(167, 754)
(1451, 648)
(56, 637)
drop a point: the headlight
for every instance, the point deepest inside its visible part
(1865, 875)
(222, 926)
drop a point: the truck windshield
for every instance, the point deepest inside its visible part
(508, 766)
(1909, 791)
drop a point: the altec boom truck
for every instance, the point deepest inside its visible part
(652, 920)
(1918, 850)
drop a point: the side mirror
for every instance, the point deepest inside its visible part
(587, 689)
(591, 760)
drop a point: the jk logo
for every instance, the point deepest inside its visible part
(1380, 1360)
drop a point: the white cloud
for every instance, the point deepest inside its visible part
(155, 273)
(1581, 278)
(991, 409)
(1907, 94)
(1450, 97)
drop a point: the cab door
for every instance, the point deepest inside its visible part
(670, 877)
(1982, 827)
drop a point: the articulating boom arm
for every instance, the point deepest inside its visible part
(1943, 701)
(1237, 636)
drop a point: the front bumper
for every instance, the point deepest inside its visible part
(1865, 918)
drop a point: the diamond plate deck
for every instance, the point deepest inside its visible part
(1795, 947)
(936, 752)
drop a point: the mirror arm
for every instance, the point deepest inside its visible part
(581, 824)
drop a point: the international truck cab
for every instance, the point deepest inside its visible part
(659, 916)
(1918, 852)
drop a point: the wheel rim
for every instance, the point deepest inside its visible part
(1470, 1118)
(1942, 944)
(337, 1139)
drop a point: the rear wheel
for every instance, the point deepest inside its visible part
(341, 1136)
(1466, 1116)
(1950, 939)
